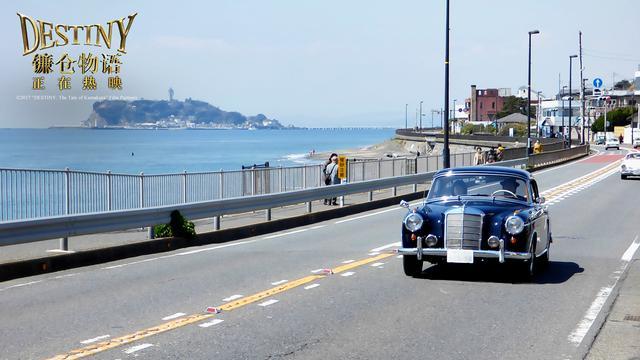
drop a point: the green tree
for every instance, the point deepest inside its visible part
(615, 117)
(622, 85)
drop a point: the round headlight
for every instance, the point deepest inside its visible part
(413, 222)
(514, 225)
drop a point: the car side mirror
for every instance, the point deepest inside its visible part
(404, 204)
(541, 200)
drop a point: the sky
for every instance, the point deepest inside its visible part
(323, 63)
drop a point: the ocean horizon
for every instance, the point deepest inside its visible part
(132, 151)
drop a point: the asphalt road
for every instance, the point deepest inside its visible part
(365, 310)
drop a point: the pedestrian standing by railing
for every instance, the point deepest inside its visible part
(500, 153)
(537, 147)
(491, 155)
(478, 157)
(330, 173)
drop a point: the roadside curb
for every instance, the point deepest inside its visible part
(48, 264)
(619, 335)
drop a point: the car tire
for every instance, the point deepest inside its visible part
(411, 265)
(623, 177)
(530, 266)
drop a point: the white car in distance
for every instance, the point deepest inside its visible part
(612, 143)
(630, 165)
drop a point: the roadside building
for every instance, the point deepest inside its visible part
(484, 104)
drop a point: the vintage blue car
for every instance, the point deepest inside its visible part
(479, 213)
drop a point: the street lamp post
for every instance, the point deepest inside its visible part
(445, 125)
(406, 116)
(532, 32)
(420, 115)
(571, 57)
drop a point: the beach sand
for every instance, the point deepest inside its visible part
(392, 148)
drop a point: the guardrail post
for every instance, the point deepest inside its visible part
(109, 185)
(280, 180)
(304, 185)
(363, 177)
(184, 187)
(393, 174)
(267, 215)
(64, 242)
(253, 182)
(370, 197)
(216, 222)
(379, 169)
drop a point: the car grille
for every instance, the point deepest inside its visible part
(463, 230)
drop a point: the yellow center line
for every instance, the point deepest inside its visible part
(563, 188)
(183, 321)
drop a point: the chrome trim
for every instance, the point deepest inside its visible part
(500, 255)
(419, 247)
(462, 211)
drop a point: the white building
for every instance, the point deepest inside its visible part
(554, 113)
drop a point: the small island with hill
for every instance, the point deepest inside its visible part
(172, 114)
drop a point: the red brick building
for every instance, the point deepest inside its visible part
(484, 104)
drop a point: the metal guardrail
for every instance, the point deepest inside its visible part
(29, 194)
(552, 157)
(25, 231)
(68, 225)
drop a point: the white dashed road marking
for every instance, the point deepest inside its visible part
(174, 316)
(311, 286)
(133, 349)
(211, 323)
(279, 282)
(268, 302)
(348, 273)
(97, 338)
(232, 297)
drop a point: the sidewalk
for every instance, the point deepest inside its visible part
(619, 337)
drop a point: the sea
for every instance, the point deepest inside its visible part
(130, 151)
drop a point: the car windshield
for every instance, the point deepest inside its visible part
(633, 156)
(500, 186)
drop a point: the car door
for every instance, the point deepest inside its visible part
(540, 219)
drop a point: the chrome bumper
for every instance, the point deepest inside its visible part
(630, 172)
(499, 254)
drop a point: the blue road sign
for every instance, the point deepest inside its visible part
(597, 83)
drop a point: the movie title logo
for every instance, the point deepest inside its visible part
(39, 35)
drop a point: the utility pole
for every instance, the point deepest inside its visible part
(532, 32)
(571, 57)
(445, 150)
(582, 110)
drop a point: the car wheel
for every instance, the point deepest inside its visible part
(543, 261)
(623, 177)
(529, 268)
(411, 265)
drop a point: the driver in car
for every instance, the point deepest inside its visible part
(509, 185)
(459, 188)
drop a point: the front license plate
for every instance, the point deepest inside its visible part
(460, 256)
